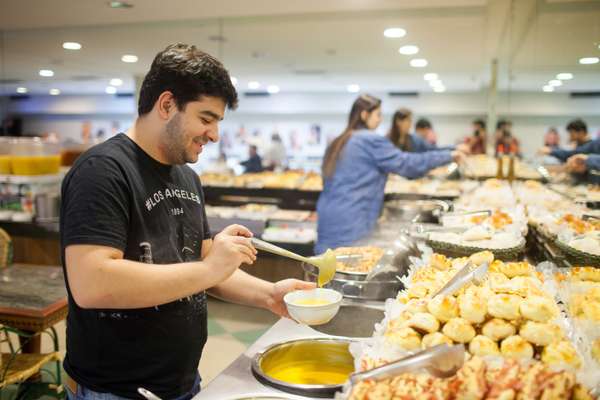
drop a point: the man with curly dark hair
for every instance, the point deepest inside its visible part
(136, 247)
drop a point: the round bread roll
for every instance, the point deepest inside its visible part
(538, 308)
(497, 281)
(561, 352)
(496, 266)
(439, 262)
(405, 338)
(459, 330)
(504, 306)
(472, 307)
(424, 322)
(483, 346)
(498, 329)
(591, 309)
(513, 269)
(416, 306)
(435, 338)
(523, 286)
(596, 350)
(443, 308)
(585, 274)
(418, 290)
(540, 334)
(516, 347)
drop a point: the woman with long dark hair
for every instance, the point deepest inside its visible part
(355, 169)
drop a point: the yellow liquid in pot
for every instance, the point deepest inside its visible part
(312, 373)
(312, 302)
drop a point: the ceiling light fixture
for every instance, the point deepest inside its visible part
(110, 90)
(116, 82)
(394, 33)
(436, 82)
(408, 50)
(54, 92)
(129, 58)
(418, 62)
(273, 89)
(22, 90)
(439, 89)
(253, 85)
(548, 88)
(46, 73)
(554, 82)
(353, 88)
(71, 46)
(564, 76)
(430, 76)
(589, 60)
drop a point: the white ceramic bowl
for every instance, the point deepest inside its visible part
(313, 314)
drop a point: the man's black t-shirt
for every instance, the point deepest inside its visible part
(117, 195)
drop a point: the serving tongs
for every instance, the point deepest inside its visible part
(463, 277)
(421, 231)
(441, 361)
(587, 217)
(326, 262)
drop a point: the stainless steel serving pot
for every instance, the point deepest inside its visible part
(415, 210)
(309, 367)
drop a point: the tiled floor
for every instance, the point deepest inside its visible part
(232, 329)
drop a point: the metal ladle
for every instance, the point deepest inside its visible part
(326, 262)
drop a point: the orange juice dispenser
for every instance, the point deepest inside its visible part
(32, 156)
(4, 156)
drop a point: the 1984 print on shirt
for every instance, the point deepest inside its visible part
(116, 195)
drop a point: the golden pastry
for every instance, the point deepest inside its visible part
(424, 322)
(561, 352)
(459, 330)
(435, 338)
(405, 338)
(504, 306)
(513, 269)
(418, 290)
(591, 309)
(516, 347)
(596, 350)
(497, 281)
(416, 306)
(498, 329)
(483, 346)
(439, 262)
(538, 308)
(472, 307)
(540, 334)
(482, 257)
(444, 308)
(585, 274)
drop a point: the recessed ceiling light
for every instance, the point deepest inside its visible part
(548, 88)
(129, 58)
(71, 46)
(394, 32)
(22, 90)
(253, 85)
(119, 4)
(439, 89)
(408, 50)
(116, 82)
(430, 76)
(418, 62)
(54, 92)
(554, 82)
(273, 89)
(46, 72)
(353, 88)
(234, 80)
(589, 60)
(110, 90)
(436, 82)
(564, 76)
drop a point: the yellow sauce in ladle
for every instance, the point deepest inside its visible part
(326, 263)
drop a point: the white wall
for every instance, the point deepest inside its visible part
(451, 114)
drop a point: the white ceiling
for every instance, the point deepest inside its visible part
(308, 45)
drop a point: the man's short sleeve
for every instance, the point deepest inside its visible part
(205, 226)
(95, 204)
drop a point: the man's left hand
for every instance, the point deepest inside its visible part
(577, 163)
(275, 302)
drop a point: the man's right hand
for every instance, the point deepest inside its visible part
(230, 249)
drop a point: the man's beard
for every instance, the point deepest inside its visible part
(174, 142)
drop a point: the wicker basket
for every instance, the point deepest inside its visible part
(454, 250)
(577, 257)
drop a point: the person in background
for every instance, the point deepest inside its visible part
(585, 166)
(355, 169)
(401, 137)
(578, 136)
(275, 158)
(254, 162)
(424, 129)
(552, 138)
(506, 143)
(477, 141)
